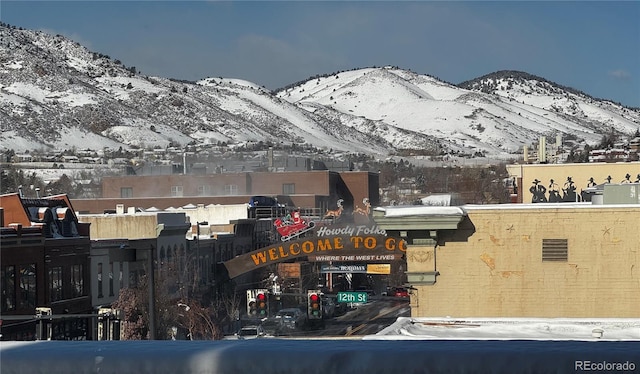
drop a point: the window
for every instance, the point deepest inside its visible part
(55, 284)
(555, 250)
(176, 191)
(100, 280)
(111, 279)
(204, 190)
(230, 189)
(27, 284)
(288, 188)
(126, 192)
(77, 281)
(8, 278)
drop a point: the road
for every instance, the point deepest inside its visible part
(364, 319)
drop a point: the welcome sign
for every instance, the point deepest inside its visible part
(333, 242)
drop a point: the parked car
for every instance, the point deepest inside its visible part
(290, 319)
(251, 332)
(265, 207)
(401, 292)
(264, 202)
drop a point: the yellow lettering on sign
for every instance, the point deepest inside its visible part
(307, 247)
(391, 244)
(324, 245)
(337, 243)
(356, 240)
(272, 254)
(370, 243)
(259, 258)
(294, 249)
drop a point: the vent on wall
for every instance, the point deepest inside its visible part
(555, 249)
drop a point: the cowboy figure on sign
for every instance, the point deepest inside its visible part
(538, 192)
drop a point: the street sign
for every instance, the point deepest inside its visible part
(353, 297)
(343, 269)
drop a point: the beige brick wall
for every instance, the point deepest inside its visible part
(499, 271)
(131, 226)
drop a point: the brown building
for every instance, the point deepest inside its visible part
(319, 189)
(44, 268)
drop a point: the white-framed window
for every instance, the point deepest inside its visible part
(204, 190)
(230, 189)
(126, 191)
(176, 191)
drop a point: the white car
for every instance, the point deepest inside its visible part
(250, 332)
(291, 319)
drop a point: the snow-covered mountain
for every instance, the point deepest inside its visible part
(56, 94)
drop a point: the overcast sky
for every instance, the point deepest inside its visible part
(590, 46)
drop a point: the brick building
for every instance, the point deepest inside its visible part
(44, 267)
(319, 189)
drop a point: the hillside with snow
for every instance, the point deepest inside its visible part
(56, 94)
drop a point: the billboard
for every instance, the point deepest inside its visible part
(329, 243)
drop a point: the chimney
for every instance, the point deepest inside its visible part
(119, 208)
(270, 158)
(542, 150)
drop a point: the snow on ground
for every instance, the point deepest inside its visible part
(407, 328)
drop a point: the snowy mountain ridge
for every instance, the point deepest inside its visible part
(56, 94)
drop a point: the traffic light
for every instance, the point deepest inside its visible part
(251, 307)
(262, 304)
(314, 305)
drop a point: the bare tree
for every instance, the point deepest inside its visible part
(135, 323)
(228, 304)
(176, 305)
(197, 321)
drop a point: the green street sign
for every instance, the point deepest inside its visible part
(353, 297)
